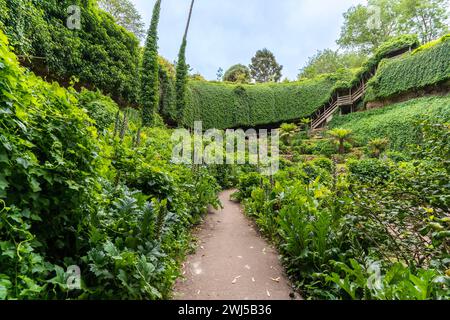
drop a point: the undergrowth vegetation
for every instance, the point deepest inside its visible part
(397, 122)
(358, 212)
(367, 225)
(99, 194)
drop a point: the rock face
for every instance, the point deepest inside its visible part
(440, 90)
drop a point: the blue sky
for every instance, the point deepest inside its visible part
(226, 32)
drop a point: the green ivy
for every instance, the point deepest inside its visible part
(113, 204)
(101, 55)
(224, 105)
(423, 68)
(397, 123)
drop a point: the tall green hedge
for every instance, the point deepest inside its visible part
(397, 122)
(225, 105)
(424, 67)
(101, 55)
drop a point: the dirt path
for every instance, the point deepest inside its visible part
(232, 261)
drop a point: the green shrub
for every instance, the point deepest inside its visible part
(396, 44)
(69, 196)
(99, 107)
(324, 163)
(248, 182)
(377, 146)
(325, 148)
(368, 170)
(378, 230)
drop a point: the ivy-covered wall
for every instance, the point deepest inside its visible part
(427, 66)
(101, 54)
(226, 105)
(398, 122)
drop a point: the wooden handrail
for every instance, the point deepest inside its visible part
(325, 112)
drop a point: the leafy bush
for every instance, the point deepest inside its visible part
(99, 107)
(69, 196)
(370, 170)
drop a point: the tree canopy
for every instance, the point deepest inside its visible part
(264, 67)
(237, 73)
(330, 61)
(125, 14)
(366, 27)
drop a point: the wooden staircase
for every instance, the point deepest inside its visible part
(323, 115)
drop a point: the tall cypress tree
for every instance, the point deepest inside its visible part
(181, 81)
(150, 71)
(182, 72)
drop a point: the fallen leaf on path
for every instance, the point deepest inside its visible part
(235, 279)
(253, 279)
(247, 267)
(276, 279)
(268, 293)
(198, 292)
(240, 257)
(264, 251)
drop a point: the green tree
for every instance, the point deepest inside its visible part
(182, 71)
(367, 27)
(330, 61)
(426, 18)
(341, 136)
(197, 77)
(150, 71)
(377, 146)
(125, 14)
(238, 73)
(264, 67)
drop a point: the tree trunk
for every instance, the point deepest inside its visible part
(189, 20)
(341, 147)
